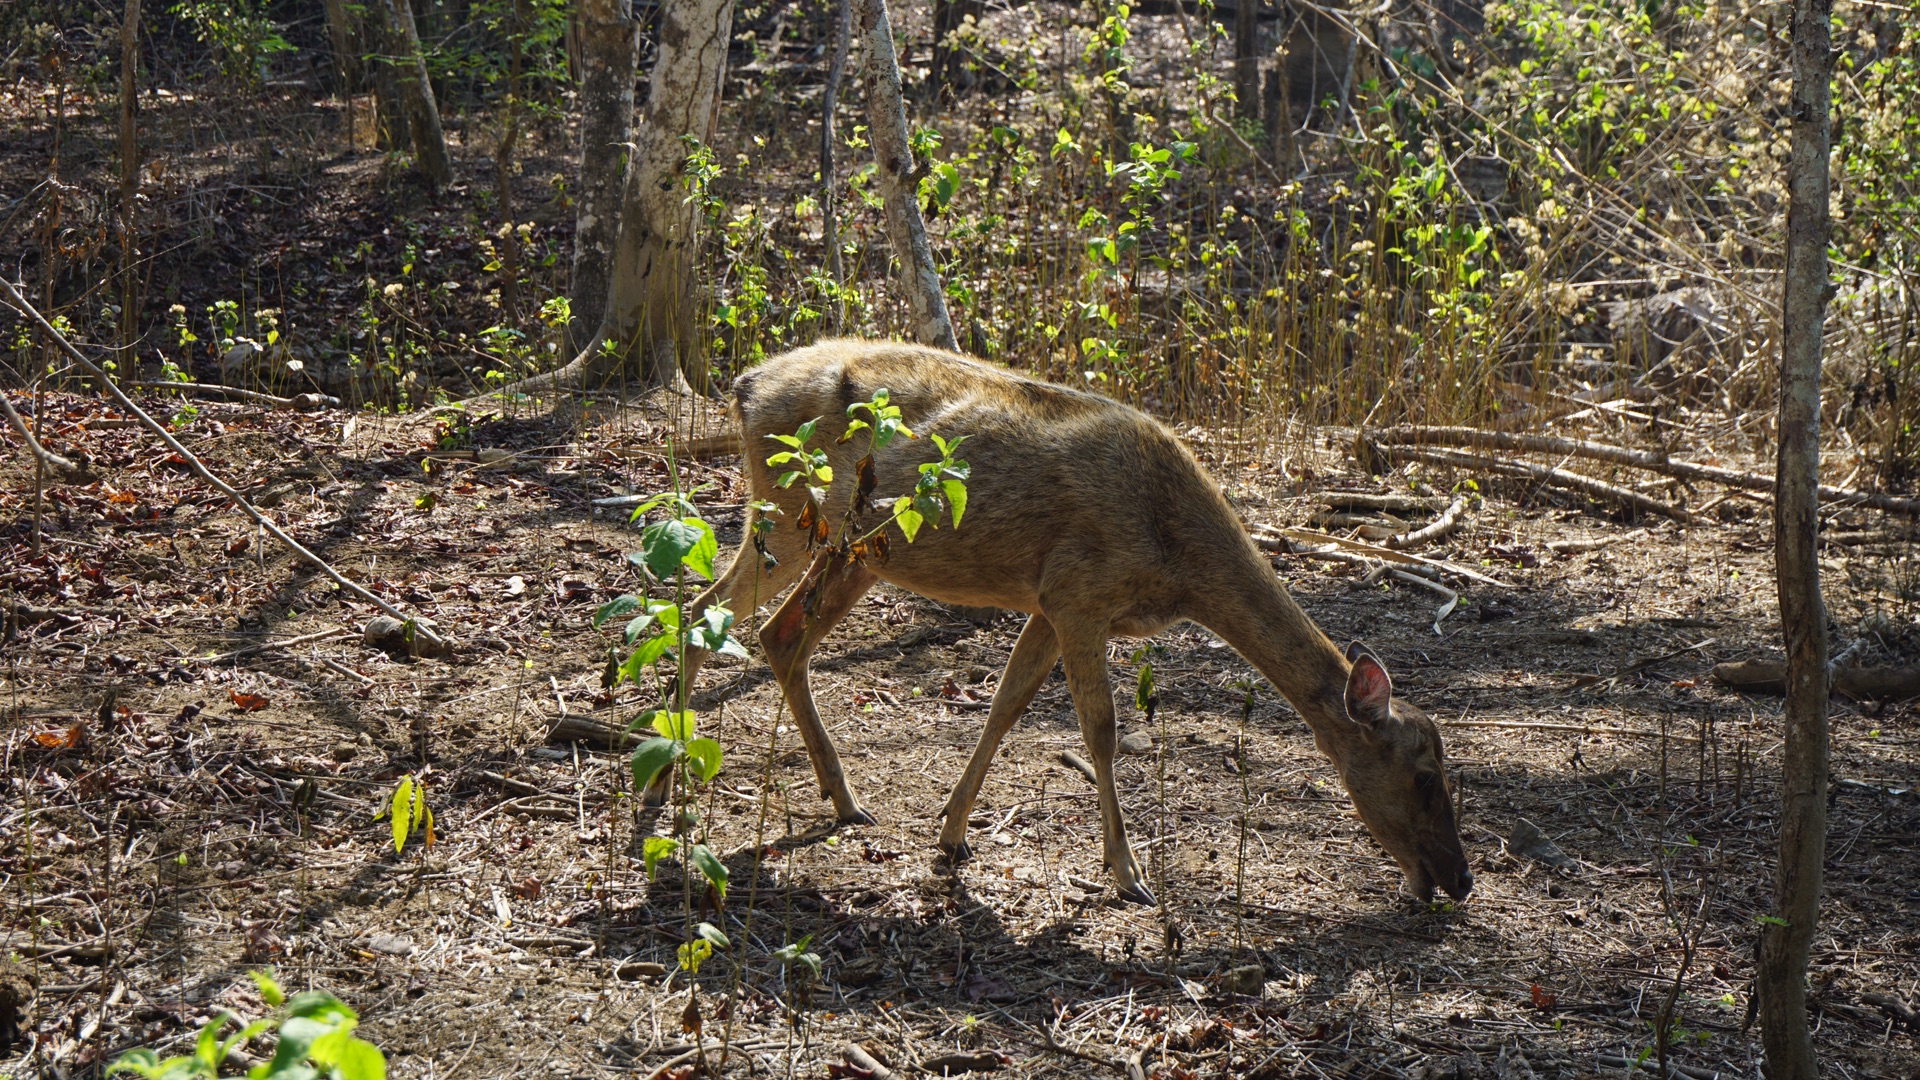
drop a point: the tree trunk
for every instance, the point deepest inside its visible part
(1246, 59)
(947, 73)
(829, 175)
(651, 315)
(900, 180)
(509, 249)
(343, 31)
(416, 94)
(610, 49)
(1787, 937)
(129, 176)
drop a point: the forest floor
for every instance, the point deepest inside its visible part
(197, 740)
(194, 740)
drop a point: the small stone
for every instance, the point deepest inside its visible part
(1247, 980)
(391, 944)
(345, 750)
(396, 638)
(1136, 742)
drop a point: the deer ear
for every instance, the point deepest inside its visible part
(1355, 651)
(1369, 689)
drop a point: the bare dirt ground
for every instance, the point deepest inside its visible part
(196, 741)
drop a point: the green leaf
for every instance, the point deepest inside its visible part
(361, 1060)
(652, 756)
(956, 498)
(654, 849)
(665, 546)
(401, 810)
(705, 547)
(270, 991)
(692, 953)
(905, 516)
(705, 756)
(673, 725)
(615, 608)
(643, 509)
(710, 633)
(710, 865)
(650, 650)
(297, 1036)
(142, 1061)
(706, 931)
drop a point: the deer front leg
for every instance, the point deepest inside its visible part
(1086, 662)
(789, 639)
(1033, 657)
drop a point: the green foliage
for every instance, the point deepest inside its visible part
(407, 812)
(315, 1042)
(243, 39)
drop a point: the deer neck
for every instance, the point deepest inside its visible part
(1252, 612)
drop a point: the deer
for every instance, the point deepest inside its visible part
(1094, 520)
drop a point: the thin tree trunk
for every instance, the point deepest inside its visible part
(829, 179)
(900, 180)
(509, 248)
(1246, 58)
(610, 50)
(1787, 938)
(129, 177)
(343, 30)
(390, 128)
(651, 310)
(416, 92)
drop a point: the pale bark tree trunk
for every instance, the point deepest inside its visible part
(1787, 938)
(129, 175)
(829, 175)
(1246, 58)
(651, 311)
(416, 93)
(900, 180)
(610, 50)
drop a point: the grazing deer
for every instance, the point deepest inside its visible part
(1093, 519)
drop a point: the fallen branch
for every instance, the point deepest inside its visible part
(69, 471)
(20, 304)
(1551, 477)
(1581, 546)
(858, 1056)
(264, 646)
(1448, 521)
(1639, 459)
(1578, 729)
(571, 728)
(1870, 683)
(1363, 500)
(302, 402)
(1308, 536)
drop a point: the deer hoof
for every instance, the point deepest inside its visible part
(958, 853)
(859, 817)
(654, 797)
(1138, 894)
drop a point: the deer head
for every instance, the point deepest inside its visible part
(1396, 772)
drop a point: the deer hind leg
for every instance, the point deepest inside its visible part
(1032, 659)
(745, 584)
(1086, 664)
(789, 638)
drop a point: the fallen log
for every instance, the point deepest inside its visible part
(1439, 529)
(1870, 683)
(1652, 461)
(1371, 454)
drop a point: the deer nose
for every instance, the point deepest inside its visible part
(1466, 883)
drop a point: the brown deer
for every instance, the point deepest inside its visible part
(1093, 519)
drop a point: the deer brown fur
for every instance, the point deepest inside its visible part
(1093, 519)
